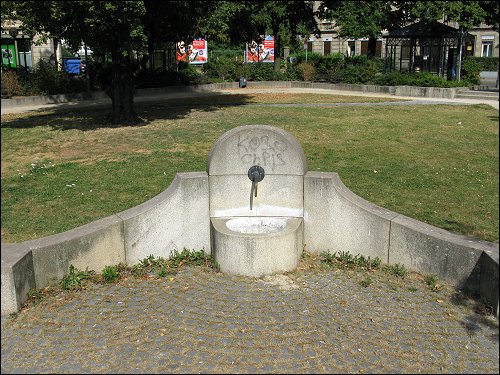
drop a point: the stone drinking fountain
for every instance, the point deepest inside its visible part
(260, 233)
(255, 209)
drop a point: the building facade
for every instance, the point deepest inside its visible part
(19, 50)
(485, 44)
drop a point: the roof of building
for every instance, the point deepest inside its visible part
(425, 29)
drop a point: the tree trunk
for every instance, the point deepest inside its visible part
(122, 90)
(372, 47)
(55, 43)
(277, 49)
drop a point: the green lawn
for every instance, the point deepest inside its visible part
(436, 163)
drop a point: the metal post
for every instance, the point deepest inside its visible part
(459, 62)
(87, 78)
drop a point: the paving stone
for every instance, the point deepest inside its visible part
(326, 323)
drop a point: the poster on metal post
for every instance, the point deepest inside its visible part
(262, 51)
(197, 51)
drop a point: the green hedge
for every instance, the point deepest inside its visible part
(44, 79)
(336, 68)
(488, 64)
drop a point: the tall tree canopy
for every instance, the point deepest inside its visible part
(285, 20)
(122, 29)
(234, 22)
(129, 31)
(359, 19)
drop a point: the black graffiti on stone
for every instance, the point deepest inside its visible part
(262, 150)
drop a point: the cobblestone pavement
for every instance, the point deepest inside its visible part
(313, 320)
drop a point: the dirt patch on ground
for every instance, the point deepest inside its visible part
(282, 281)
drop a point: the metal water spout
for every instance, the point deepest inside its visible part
(256, 175)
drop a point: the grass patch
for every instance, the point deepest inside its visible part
(397, 270)
(65, 168)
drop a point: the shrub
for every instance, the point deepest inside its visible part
(312, 57)
(191, 75)
(306, 70)
(45, 79)
(423, 79)
(259, 72)
(223, 68)
(471, 69)
(158, 78)
(391, 79)
(329, 64)
(293, 73)
(11, 84)
(488, 64)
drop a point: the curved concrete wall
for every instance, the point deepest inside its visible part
(335, 219)
(173, 220)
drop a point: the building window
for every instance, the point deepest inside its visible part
(351, 48)
(327, 48)
(487, 48)
(309, 46)
(378, 48)
(24, 46)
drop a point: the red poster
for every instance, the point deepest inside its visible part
(261, 52)
(197, 51)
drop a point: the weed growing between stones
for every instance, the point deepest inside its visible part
(149, 267)
(345, 260)
(397, 269)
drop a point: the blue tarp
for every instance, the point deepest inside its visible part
(72, 65)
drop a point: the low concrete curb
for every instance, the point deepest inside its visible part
(409, 91)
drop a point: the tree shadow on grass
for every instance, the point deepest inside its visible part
(91, 115)
(493, 118)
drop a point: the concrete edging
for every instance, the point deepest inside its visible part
(412, 91)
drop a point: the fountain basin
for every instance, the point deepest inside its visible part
(256, 225)
(257, 246)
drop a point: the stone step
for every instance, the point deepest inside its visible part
(476, 96)
(478, 92)
(487, 88)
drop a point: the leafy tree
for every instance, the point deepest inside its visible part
(124, 30)
(467, 14)
(113, 27)
(234, 22)
(492, 13)
(285, 20)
